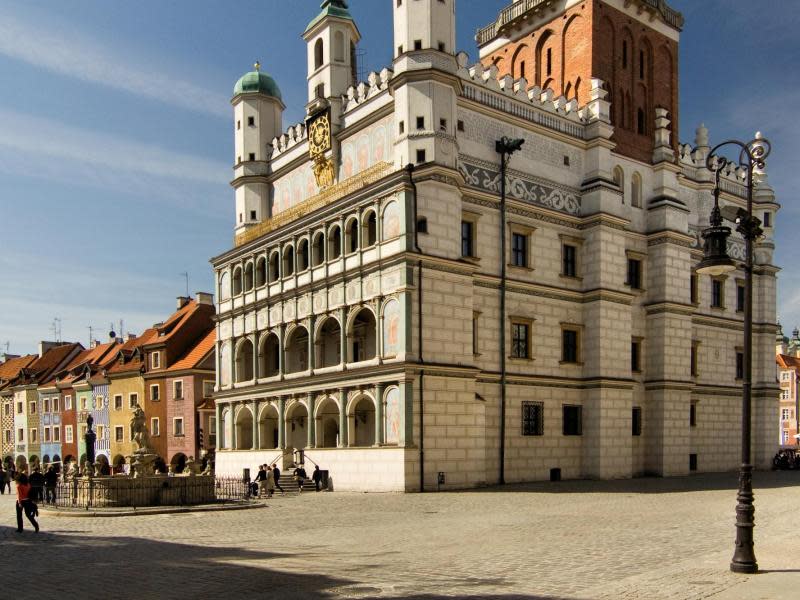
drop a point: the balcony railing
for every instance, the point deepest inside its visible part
(517, 10)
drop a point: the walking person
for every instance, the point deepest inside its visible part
(270, 482)
(50, 481)
(276, 472)
(316, 476)
(24, 503)
(300, 477)
(3, 480)
(261, 479)
(36, 481)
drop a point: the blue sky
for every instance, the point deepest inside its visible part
(116, 137)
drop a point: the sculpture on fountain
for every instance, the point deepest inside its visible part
(143, 458)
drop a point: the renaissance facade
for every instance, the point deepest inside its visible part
(383, 311)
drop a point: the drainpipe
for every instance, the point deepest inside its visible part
(410, 171)
(505, 147)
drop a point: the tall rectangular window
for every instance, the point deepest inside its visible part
(739, 365)
(133, 400)
(634, 273)
(467, 238)
(636, 421)
(739, 298)
(532, 418)
(519, 340)
(56, 433)
(119, 433)
(155, 393)
(68, 434)
(47, 405)
(717, 294)
(155, 360)
(67, 402)
(154, 429)
(55, 404)
(572, 420)
(636, 356)
(519, 250)
(568, 262)
(46, 431)
(475, 323)
(117, 401)
(693, 289)
(693, 359)
(177, 387)
(33, 407)
(208, 389)
(177, 426)
(693, 414)
(569, 346)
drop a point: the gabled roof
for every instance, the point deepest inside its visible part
(10, 368)
(788, 362)
(166, 330)
(43, 367)
(196, 353)
(126, 359)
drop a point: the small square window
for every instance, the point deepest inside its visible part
(636, 421)
(566, 160)
(441, 46)
(634, 273)
(402, 127)
(421, 156)
(420, 122)
(417, 44)
(532, 418)
(460, 125)
(422, 225)
(252, 215)
(251, 157)
(572, 420)
(399, 50)
(251, 121)
(443, 125)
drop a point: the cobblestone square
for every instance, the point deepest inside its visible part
(643, 538)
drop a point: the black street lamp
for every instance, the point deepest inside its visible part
(716, 262)
(505, 147)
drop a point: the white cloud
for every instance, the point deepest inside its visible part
(72, 56)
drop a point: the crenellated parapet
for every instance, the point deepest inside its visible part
(296, 134)
(376, 83)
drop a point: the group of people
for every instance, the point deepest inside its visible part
(268, 479)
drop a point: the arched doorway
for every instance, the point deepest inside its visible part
(119, 464)
(327, 424)
(329, 343)
(269, 356)
(46, 461)
(268, 427)
(227, 428)
(296, 426)
(102, 463)
(244, 361)
(297, 350)
(57, 463)
(244, 429)
(362, 420)
(361, 337)
(178, 462)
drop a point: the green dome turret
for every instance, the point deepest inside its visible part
(331, 8)
(257, 82)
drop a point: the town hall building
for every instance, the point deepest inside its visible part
(397, 312)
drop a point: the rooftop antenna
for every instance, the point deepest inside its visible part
(121, 334)
(186, 276)
(112, 335)
(55, 327)
(8, 346)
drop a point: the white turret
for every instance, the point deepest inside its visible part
(331, 39)
(258, 118)
(424, 25)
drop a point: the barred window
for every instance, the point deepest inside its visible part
(532, 418)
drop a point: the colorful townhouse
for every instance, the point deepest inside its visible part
(126, 390)
(27, 423)
(171, 341)
(189, 383)
(9, 369)
(91, 394)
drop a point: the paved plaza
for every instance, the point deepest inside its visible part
(646, 538)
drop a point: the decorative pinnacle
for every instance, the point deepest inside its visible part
(257, 66)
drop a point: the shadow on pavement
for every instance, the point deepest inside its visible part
(654, 485)
(131, 567)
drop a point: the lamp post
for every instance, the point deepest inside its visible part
(716, 261)
(505, 147)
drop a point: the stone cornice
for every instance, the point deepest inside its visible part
(669, 307)
(668, 236)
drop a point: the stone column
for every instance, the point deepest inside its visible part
(254, 408)
(311, 357)
(233, 427)
(217, 363)
(254, 341)
(343, 339)
(379, 434)
(311, 429)
(343, 441)
(218, 412)
(281, 353)
(379, 332)
(282, 422)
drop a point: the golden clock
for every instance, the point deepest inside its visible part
(319, 135)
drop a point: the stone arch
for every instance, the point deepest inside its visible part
(351, 235)
(390, 221)
(249, 276)
(224, 286)
(288, 260)
(178, 462)
(236, 283)
(319, 52)
(520, 62)
(274, 266)
(296, 349)
(636, 190)
(68, 459)
(118, 463)
(327, 423)
(361, 335)
(226, 429)
(101, 461)
(328, 342)
(269, 348)
(303, 255)
(268, 422)
(338, 46)
(21, 462)
(56, 462)
(619, 179)
(543, 59)
(243, 424)
(261, 271)
(361, 420)
(46, 460)
(573, 49)
(296, 424)
(334, 242)
(225, 363)
(318, 249)
(369, 228)
(244, 360)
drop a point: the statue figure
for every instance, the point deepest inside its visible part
(89, 437)
(139, 430)
(191, 468)
(88, 469)
(74, 470)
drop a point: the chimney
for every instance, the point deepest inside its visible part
(130, 336)
(182, 301)
(205, 298)
(46, 346)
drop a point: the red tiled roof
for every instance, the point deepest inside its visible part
(207, 404)
(787, 361)
(10, 368)
(116, 366)
(176, 321)
(196, 353)
(42, 368)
